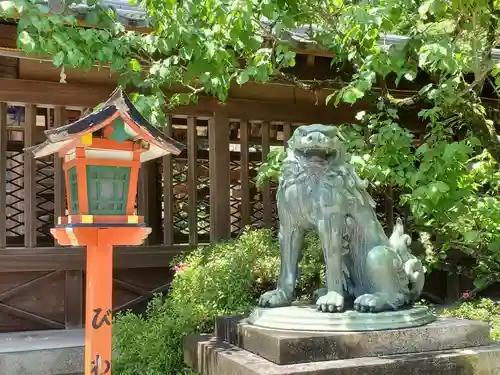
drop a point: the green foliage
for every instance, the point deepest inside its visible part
(269, 170)
(484, 310)
(222, 279)
(449, 179)
(450, 186)
(205, 45)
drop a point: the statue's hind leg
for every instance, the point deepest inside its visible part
(291, 238)
(386, 280)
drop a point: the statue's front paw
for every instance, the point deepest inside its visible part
(330, 302)
(274, 298)
(370, 303)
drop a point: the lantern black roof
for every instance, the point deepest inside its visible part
(135, 126)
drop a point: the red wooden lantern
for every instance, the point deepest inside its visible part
(102, 154)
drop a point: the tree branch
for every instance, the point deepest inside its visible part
(308, 85)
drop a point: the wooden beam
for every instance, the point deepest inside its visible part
(219, 157)
(287, 133)
(244, 171)
(8, 36)
(127, 305)
(192, 178)
(30, 206)
(310, 60)
(73, 299)
(143, 192)
(168, 201)
(266, 188)
(61, 258)
(60, 94)
(73, 279)
(14, 311)
(132, 288)
(3, 172)
(59, 188)
(77, 95)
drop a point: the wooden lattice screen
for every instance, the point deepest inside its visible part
(184, 180)
(177, 205)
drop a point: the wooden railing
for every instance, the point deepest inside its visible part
(206, 194)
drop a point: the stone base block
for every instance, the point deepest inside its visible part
(211, 356)
(289, 347)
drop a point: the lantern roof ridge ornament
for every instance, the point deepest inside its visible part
(120, 106)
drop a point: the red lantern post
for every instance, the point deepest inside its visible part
(102, 154)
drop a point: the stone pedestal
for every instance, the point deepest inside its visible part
(444, 347)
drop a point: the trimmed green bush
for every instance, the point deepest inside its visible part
(484, 310)
(225, 279)
(222, 279)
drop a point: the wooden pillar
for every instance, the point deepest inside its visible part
(59, 183)
(73, 299)
(246, 209)
(218, 141)
(192, 150)
(3, 173)
(287, 133)
(30, 221)
(147, 194)
(99, 306)
(73, 295)
(266, 190)
(168, 212)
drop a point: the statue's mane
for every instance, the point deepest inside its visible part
(297, 166)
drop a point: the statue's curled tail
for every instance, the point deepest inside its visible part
(414, 270)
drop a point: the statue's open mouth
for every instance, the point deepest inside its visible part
(316, 152)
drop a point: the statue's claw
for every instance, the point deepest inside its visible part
(330, 302)
(274, 298)
(370, 303)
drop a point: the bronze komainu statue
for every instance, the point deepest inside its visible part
(320, 190)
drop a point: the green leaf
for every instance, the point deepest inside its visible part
(181, 99)
(479, 283)
(8, 7)
(58, 58)
(440, 186)
(351, 95)
(135, 65)
(243, 77)
(471, 236)
(210, 45)
(422, 149)
(425, 7)
(410, 76)
(330, 97)
(26, 42)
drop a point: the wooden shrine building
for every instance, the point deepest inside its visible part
(205, 194)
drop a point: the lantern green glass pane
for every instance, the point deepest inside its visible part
(107, 189)
(73, 190)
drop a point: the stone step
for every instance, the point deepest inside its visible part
(211, 356)
(51, 352)
(289, 347)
